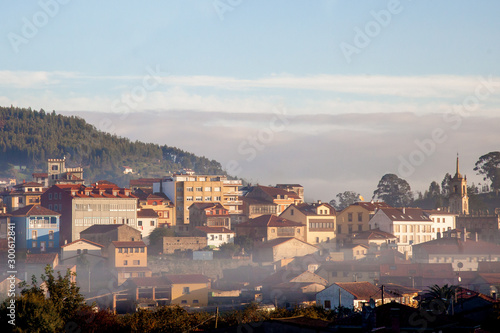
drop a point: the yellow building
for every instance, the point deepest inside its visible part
(128, 259)
(188, 188)
(189, 289)
(355, 218)
(318, 219)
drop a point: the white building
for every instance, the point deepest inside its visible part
(216, 236)
(441, 221)
(409, 225)
(147, 221)
(350, 295)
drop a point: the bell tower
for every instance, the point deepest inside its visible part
(459, 200)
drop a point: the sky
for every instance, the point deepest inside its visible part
(328, 94)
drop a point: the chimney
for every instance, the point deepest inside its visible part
(404, 210)
(319, 202)
(464, 233)
(477, 236)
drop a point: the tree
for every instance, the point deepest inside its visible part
(394, 191)
(444, 294)
(156, 236)
(228, 249)
(489, 166)
(445, 185)
(345, 199)
(244, 242)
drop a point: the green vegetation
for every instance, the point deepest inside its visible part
(28, 138)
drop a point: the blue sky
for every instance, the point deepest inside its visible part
(232, 59)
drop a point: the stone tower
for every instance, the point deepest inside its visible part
(459, 200)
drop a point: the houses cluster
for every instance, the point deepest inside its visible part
(303, 253)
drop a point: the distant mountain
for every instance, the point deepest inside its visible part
(28, 138)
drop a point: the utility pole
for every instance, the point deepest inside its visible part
(216, 316)
(382, 289)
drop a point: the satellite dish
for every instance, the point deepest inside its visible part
(460, 265)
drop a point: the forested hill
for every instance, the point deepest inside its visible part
(28, 138)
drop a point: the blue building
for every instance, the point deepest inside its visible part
(37, 229)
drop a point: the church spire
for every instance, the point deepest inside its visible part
(458, 169)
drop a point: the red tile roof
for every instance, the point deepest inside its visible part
(153, 281)
(361, 290)
(33, 210)
(374, 234)
(406, 214)
(274, 192)
(372, 206)
(40, 175)
(205, 205)
(312, 209)
(144, 181)
(266, 221)
(82, 240)
(41, 258)
(452, 245)
(278, 241)
(146, 212)
(187, 278)
(28, 184)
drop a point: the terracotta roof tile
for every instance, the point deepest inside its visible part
(269, 221)
(360, 290)
(34, 210)
(41, 258)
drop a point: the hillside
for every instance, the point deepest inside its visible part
(28, 138)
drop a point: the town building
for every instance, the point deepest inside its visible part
(187, 188)
(208, 214)
(81, 207)
(128, 259)
(58, 173)
(375, 239)
(355, 218)
(143, 183)
(216, 236)
(442, 221)
(158, 202)
(73, 253)
(282, 248)
(410, 225)
(104, 234)
(255, 207)
(269, 227)
(296, 188)
(179, 244)
(352, 295)
(37, 229)
(147, 221)
(22, 195)
(281, 197)
(319, 221)
(464, 254)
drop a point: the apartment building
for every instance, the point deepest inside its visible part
(188, 188)
(81, 207)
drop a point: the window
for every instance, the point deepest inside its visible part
(350, 228)
(120, 250)
(189, 189)
(360, 227)
(360, 217)
(189, 198)
(185, 290)
(142, 250)
(139, 223)
(199, 189)
(137, 262)
(217, 189)
(152, 223)
(136, 250)
(50, 196)
(195, 301)
(55, 167)
(51, 234)
(208, 198)
(51, 244)
(34, 244)
(184, 301)
(339, 229)
(141, 274)
(125, 262)
(217, 199)
(208, 189)
(85, 251)
(291, 211)
(125, 250)
(349, 217)
(50, 206)
(34, 235)
(317, 239)
(198, 198)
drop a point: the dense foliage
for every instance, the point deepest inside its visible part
(28, 138)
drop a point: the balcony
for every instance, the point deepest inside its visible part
(43, 226)
(232, 182)
(233, 203)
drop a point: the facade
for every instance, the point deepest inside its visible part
(216, 236)
(157, 202)
(351, 295)
(355, 218)
(458, 199)
(37, 229)
(81, 207)
(147, 221)
(58, 173)
(442, 221)
(178, 244)
(297, 188)
(354, 251)
(22, 195)
(319, 221)
(41, 178)
(209, 214)
(487, 227)
(375, 239)
(410, 225)
(254, 207)
(269, 227)
(143, 183)
(104, 234)
(92, 252)
(128, 259)
(349, 271)
(188, 188)
(281, 197)
(282, 248)
(463, 254)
